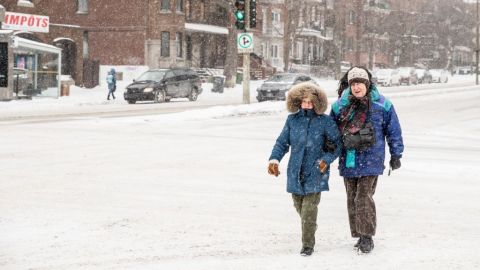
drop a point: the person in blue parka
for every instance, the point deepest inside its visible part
(112, 83)
(365, 120)
(305, 133)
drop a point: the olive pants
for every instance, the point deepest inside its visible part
(307, 208)
(361, 206)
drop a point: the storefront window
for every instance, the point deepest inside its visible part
(38, 72)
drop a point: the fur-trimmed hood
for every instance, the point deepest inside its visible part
(303, 90)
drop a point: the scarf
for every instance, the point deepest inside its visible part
(354, 116)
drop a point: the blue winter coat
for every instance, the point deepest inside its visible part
(112, 80)
(386, 125)
(305, 133)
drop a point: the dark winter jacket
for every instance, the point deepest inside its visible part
(385, 122)
(305, 132)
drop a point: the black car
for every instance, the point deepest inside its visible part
(161, 85)
(276, 87)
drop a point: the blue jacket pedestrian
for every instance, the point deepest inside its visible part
(366, 120)
(305, 133)
(112, 83)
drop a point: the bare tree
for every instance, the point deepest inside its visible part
(293, 8)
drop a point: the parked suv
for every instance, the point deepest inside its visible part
(408, 75)
(161, 85)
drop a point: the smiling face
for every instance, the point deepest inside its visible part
(307, 104)
(359, 89)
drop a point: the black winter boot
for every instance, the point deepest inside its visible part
(358, 243)
(366, 244)
(306, 251)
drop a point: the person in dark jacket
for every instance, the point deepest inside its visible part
(306, 130)
(365, 120)
(112, 83)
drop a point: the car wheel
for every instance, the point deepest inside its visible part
(159, 96)
(131, 101)
(167, 99)
(193, 95)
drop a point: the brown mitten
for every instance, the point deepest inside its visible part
(323, 166)
(273, 169)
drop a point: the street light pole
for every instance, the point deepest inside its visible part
(246, 59)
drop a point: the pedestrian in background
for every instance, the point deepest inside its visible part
(365, 119)
(112, 83)
(306, 131)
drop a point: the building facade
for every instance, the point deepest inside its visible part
(153, 33)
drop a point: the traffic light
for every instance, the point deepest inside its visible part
(240, 14)
(253, 13)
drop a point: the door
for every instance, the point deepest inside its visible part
(183, 83)
(171, 85)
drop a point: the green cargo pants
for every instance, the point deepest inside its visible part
(307, 208)
(361, 206)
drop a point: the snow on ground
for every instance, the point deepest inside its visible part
(190, 191)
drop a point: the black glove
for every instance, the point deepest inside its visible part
(395, 163)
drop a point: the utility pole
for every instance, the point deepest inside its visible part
(246, 59)
(476, 51)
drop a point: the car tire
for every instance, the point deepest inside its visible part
(159, 97)
(193, 95)
(131, 101)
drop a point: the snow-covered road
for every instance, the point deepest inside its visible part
(190, 191)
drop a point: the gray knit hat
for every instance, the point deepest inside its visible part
(358, 74)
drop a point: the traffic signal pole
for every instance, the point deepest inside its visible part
(246, 59)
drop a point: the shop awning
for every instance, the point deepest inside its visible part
(35, 46)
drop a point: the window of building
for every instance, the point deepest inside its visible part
(165, 46)
(189, 48)
(351, 17)
(330, 4)
(189, 9)
(165, 5)
(349, 44)
(82, 6)
(275, 17)
(25, 3)
(179, 44)
(274, 51)
(180, 5)
(85, 45)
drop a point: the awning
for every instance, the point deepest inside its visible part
(36, 46)
(207, 28)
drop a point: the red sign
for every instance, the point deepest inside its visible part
(26, 22)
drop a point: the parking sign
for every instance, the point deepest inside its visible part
(245, 42)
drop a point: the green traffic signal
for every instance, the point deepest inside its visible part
(240, 15)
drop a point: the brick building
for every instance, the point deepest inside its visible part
(153, 33)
